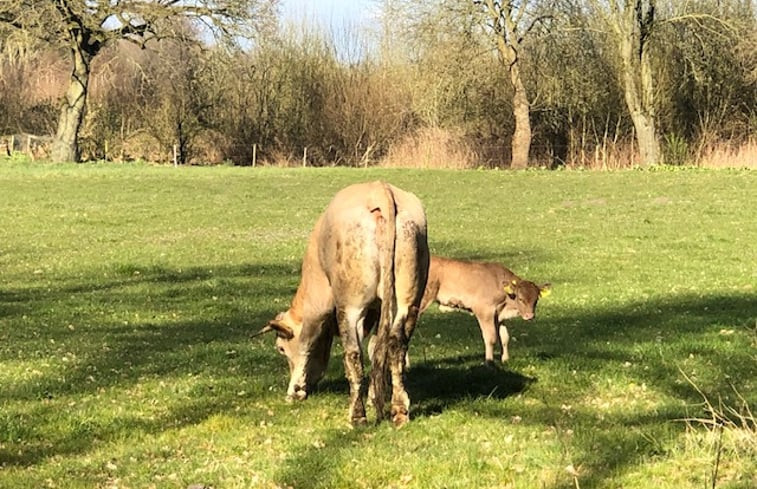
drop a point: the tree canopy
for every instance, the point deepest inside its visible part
(598, 83)
(84, 27)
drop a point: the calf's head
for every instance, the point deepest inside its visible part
(521, 299)
(307, 348)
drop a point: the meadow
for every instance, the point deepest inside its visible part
(129, 295)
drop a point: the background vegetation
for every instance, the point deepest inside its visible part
(427, 84)
(128, 294)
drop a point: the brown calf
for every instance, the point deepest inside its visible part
(488, 290)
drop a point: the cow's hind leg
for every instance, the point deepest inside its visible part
(353, 363)
(399, 339)
(504, 338)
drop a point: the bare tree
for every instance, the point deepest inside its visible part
(636, 31)
(629, 25)
(510, 22)
(84, 27)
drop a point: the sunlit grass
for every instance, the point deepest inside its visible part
(128, 295)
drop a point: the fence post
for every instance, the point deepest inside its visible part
(123, 140)
(305, 157)
(175, 156)
(254, 154)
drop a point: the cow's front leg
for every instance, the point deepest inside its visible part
(353, 366)
(489, 334)
(504, 338)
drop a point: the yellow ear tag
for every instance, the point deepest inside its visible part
(544, 292)
(509, 289)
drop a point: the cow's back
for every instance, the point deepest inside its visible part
(349, 250)
(351, 245)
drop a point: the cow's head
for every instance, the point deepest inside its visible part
(522, 297)
(307, 349)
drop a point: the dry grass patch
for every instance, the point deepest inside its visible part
(725, 154)
(432, 148)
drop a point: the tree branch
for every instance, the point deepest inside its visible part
(699, 19)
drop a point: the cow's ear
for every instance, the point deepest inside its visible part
(545, 290)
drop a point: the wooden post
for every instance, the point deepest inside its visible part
(12, 146)
(305, 157)
(175, 156)
(254, 154)
(123, 139)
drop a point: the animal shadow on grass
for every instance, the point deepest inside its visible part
(440, 374)
(113, 355)
(436, 385)
(433, 386)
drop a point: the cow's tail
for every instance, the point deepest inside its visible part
(386, 237)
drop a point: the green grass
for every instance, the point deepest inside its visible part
(128, 295)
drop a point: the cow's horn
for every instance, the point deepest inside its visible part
(264, 330)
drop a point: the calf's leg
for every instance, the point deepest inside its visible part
(488, 332)
(504, 338)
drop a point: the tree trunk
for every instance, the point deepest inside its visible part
(646, 138)
(643, 117)
(521, 143)
(638, 88)
(646, 125)
(504, 17)
(65, 145)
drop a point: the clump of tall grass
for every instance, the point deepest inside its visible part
(604, 155)
(726, 154)
(729, 437)
(432, 147)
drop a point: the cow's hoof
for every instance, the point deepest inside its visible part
(359, 421)
(400, 415)
(400, 419)
(357, 414)
(299, 395)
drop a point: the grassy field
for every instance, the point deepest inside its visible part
(128, 296)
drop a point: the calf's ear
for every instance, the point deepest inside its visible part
(510, 287)
(545, 290)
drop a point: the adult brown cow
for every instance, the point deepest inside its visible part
(488, 290)
(367, 252)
